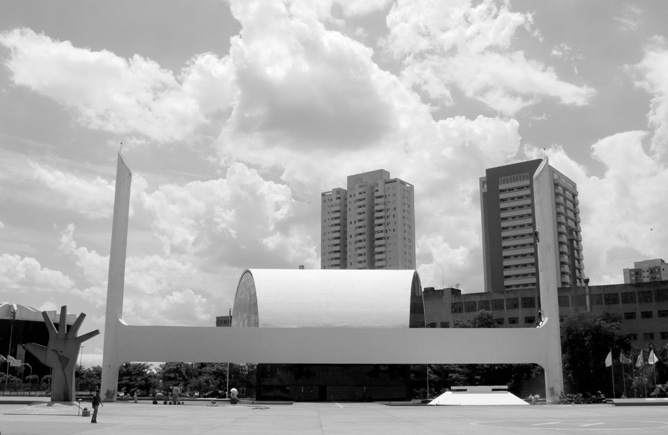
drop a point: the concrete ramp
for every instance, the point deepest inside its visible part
(478, 395)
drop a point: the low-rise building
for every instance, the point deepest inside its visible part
(644, 307)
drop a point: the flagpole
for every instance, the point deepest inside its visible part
(623, 380)
(612, 367)
(633, 378)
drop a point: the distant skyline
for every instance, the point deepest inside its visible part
(235, 116)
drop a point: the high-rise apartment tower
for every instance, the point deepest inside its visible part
(509, 228)
(369, 225)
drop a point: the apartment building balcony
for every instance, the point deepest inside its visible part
(528, 261)
(514, 242)
(527, 232)
(515, 222)
(515, 203)
(519, 251)
(519, 281)
(514, 193)
(510, 273)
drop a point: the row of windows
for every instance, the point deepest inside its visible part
(524, 245)
(516, 178)
(519, 216)
(515, 198)
(647, 336)
(641, 297)
(493, 305)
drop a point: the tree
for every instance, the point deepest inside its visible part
(136, 376)
(586, 339)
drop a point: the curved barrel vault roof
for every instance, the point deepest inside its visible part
(325, 298)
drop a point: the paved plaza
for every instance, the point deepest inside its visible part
(198, 418)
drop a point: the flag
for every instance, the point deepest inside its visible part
(652, 358)
(13, 361)
(625, 359)
(639, 362)
(608, 359)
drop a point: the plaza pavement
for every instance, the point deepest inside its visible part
(199, 418)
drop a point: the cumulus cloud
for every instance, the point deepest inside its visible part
(93, 199)
(456, 43)
(301, 85)
(156, 287)
(26, 275)
(119, 95)
(651, 76)
(240, 221)
(622, 211)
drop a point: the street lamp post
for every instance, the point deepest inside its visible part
(80, 365)
(12, 316)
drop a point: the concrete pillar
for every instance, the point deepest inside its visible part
(116, 281)
(548, 271)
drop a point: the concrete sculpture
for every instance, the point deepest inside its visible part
(61, 354)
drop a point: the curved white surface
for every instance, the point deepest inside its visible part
(297, 298)
(24, 312)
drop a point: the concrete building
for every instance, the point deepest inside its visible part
(644, 307)
(369, 225)
(509, 228)
(646, 271)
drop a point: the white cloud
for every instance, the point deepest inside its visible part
(630, 18)
(652, 77)
(93, 199)
(622, 211)
(26, 275)
(455, 43)
(2, 225)
(240, 221)
(120, 95)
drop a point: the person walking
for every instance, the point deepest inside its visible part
(96, 403)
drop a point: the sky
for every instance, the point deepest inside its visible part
(234, 117)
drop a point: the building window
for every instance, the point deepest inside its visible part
(499, 321)
(645, 297)
(612, 299)
(529, 319)
(646, 314)
(432, 325)
(483, 305)
(470, 306)
(528, 302)
(597, 299)
(445, 324)
(564, 301)
(457, 307)
(664, 335)
(512, 320)
(629, 316)
(661, 295)
(498, 304)
(512, 303)
(632, 337)
(662, 313)
(647, 336)
(629, 298)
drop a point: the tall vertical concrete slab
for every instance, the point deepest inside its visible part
(548, 272)
(111, 360)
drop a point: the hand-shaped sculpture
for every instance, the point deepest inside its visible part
(61, 354)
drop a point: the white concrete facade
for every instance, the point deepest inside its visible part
(292, 298)
(318, 345)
